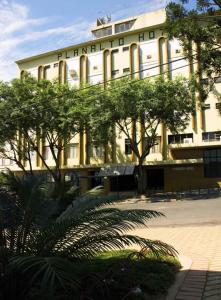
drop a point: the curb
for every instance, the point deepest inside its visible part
(186, 263)
(147, 200)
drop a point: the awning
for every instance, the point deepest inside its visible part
(112, 171)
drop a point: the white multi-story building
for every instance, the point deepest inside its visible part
(137, 45)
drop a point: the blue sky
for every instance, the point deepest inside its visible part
(28, 27)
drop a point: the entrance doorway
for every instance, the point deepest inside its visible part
(155, 179)
(123, 183)
(95, 180)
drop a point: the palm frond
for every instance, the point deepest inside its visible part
(50, 273)
(67, 237)
(42, 235)
(90, 201)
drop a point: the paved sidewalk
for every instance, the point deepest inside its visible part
(203, 245)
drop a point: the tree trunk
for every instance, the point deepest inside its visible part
(88, 148)
(140, 179)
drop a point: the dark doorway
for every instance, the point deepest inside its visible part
(95, 180)
(155, 179)
(123, 183)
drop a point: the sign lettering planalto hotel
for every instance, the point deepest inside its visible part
(99, 47)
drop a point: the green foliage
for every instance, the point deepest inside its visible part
(117, 275)
(34, 110)
(41, 242)
(147, 103)
(130, 105)
(201, 26)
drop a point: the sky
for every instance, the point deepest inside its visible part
(29, 27)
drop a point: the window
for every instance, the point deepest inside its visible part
(115, 51)
(115, 73)
(125, 49)
(156, 148)
(72, 151)
(46, 151)
(73, 177)
(103, 32)
(180, 138)
(211, 136)
(218, 105)
(126, 70)
(128, 149)
(32, 156)
(218, 79)
(97, 150)
(124, 26)
(204, 81)
(212, 163)
(5, 161)
(205, 106)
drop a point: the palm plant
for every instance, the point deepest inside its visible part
(42, 237)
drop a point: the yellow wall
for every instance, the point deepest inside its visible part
(187, 177)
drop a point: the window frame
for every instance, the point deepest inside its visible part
(212, 163)
(179, 138)
(124, 26)
(102, 32)
(76, 151)
(211, 136)
(127, 147)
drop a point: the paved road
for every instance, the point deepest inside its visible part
(194, 229)
(182, 213)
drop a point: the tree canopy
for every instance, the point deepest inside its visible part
(200, 25)
(135, 106)
(43, 113)
(34, 114)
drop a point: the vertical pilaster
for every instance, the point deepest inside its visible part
(164, 57)
(84, 145)
(40, 73)
(62, 79)
(200, 98)
(107, 75)
(62, 72)
(40, 143)
(191, 73)
(135, 73)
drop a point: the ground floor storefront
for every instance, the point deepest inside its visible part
(188, 169)
(165, 178)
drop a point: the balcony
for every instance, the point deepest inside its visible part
(202, 144)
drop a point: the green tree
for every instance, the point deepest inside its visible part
(11, 145)
(133, 104)
(201, 27)
(41, 243)
(35, 113)
(87, 97)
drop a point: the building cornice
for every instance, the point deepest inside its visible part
(89, 43)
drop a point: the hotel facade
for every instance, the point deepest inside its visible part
(137, 46)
